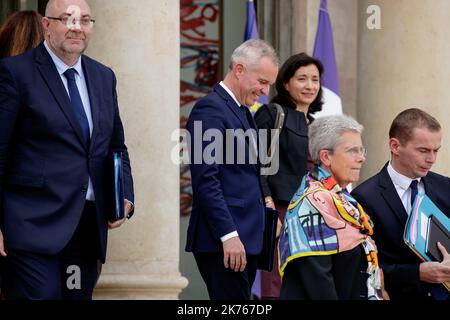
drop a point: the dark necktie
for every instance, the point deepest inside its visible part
(77, 104)
(413, 187)
(249, 117)
(254, 137)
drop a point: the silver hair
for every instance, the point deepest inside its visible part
(324, 133)
(252, 51)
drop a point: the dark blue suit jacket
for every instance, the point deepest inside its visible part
(379, 198)
(44, 163)
(226, 197)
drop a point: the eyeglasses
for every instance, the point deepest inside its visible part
(354, 152)
(72, 22)
(357, 151)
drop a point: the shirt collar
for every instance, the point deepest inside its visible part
(60, 65)
(398, 179)
(230, 93)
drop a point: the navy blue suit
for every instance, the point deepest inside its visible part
(380, 199)
(45, 164)
(226, 196)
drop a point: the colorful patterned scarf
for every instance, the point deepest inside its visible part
(324, 219)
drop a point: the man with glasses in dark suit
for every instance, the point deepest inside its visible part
(60, 124)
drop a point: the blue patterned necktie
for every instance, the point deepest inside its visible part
(77, 104)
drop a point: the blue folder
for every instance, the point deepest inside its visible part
(119, 195)
(417, 230)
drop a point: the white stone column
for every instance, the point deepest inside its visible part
(402, 65)
(139, 40)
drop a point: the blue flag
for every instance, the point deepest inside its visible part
(324, 51)
(251, 29)
(251, 32)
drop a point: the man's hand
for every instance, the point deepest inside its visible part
(234, 253)
(118, 223)
(436, 272)
(2, 247)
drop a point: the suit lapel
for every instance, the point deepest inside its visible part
(53, 80)
(231, 104)
(390, 194)
(429, 186)
(93, 91)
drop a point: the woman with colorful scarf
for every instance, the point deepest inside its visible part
(325, 248)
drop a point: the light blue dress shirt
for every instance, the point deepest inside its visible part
(82, 88)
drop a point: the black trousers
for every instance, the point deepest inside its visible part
(222, 283)
(70, 275)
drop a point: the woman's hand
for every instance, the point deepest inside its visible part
(384, 293)
(270, 203)
(279, 226)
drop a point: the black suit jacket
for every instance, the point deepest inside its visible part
(44, 163)
(293, 152)
(379, 198)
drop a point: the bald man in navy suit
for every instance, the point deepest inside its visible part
(60, 123)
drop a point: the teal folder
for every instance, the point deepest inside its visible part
(425, 226)
(119, 189)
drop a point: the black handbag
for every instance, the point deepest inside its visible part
(266, 257)
(274, 136)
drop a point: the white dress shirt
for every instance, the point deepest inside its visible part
(402, 184)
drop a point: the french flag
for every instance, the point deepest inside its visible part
(251, 32)
(324, 51)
